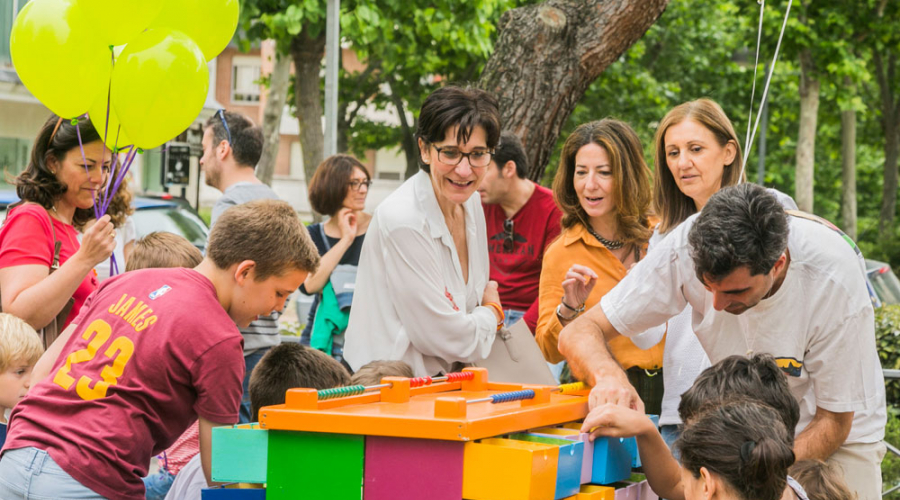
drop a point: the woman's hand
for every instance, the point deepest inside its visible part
(492, 294)
(98, 242)
(346, 219)
(577, 285)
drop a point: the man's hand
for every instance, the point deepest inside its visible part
(616, 390)
(823, 436)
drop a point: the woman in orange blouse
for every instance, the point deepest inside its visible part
(602, 187)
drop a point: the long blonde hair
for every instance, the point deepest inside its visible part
(630, 174)
(670, 204)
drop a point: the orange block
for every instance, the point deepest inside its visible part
(509, 469)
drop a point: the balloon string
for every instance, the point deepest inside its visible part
(112, 56)
(84, 159)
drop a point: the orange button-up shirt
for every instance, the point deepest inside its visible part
(576, 246)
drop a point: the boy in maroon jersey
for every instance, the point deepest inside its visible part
(149, 352)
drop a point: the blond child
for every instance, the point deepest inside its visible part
(20, 348)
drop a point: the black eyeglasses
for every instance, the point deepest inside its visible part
(451, 155)
(509, 236)
(356, 185)
(221, 114)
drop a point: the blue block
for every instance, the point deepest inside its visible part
(571, 454)
(632, 444)
(612, 460)
(239, 454)
(233, 494)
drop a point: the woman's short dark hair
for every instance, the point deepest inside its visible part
(466, 107)
(744, 443)
(329, 185)
(37, 183)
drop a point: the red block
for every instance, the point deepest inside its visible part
(413, 468)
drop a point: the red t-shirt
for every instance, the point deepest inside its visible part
(535, 226)
(26, 239)
(153, 349)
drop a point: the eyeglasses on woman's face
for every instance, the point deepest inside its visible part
(357, 185)
(451, 155)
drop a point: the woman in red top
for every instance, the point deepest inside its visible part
(57, 190)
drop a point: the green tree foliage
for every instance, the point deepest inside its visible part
(705, 48)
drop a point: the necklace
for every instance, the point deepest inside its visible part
(612, 245)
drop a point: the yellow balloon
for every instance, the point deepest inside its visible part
(115, 134)
(210, 23)
(159, 86)
(57, 57)
(118, 21)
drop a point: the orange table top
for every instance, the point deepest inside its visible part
(436, 411)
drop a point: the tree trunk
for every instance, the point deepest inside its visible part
(307, 54)
(885, 74)
(408, 132)
(278, 90)
(806, 137)
(548, 54)
(848, 169)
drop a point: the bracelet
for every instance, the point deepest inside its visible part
(499, 310)
(576, 311)
(561, 317)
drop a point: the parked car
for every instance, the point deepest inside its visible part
(152, 213)
(884, 282)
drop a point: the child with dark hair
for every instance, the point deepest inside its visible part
(283, 367)
(291, 365)
(372, 372)
(821, 481)
(756, 380)
(739, 450)
(757, 377)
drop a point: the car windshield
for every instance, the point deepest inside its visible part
(886, 284)
(173, 220)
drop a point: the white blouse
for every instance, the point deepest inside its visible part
(411, 302)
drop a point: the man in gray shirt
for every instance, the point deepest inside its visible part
(232, 145)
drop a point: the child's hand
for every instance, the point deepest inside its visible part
(611, 420)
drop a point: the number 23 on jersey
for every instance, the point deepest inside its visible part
(119, 352)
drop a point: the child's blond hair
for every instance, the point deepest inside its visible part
(18, 342)
(372, 372)
(821, 481)
(162, 249)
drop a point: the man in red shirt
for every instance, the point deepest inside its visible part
(522, 220)
(150, 352)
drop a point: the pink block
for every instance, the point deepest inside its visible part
(646, 492)
(412, 468)
(630, 492)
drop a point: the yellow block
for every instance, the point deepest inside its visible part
(508, 469)
(556, 431)
(595, 492)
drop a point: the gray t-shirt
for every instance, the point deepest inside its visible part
(264, 331)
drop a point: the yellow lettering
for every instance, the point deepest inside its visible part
(130, 317)
(114, 307)
(124, 307)
(142, 316)
(149, 321)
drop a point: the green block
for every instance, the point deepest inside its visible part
(239, 454)
(315, 466)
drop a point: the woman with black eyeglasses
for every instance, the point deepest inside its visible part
(338, 189)
(602, 187)
(423, 295)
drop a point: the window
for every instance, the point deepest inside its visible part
(8, 11)
(244, 79)
(14, 157)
